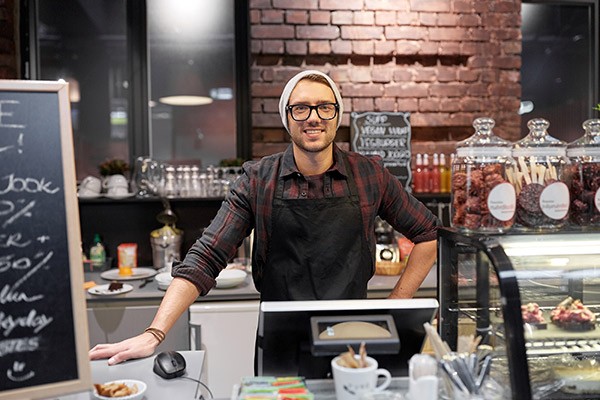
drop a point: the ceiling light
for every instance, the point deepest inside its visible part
(185, 100)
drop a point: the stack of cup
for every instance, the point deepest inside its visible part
(116, 186)
(89, 187)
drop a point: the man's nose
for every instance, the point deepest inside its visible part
(313, 115)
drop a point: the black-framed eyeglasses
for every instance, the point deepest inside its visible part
(301, 112)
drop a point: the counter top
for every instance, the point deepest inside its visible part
(379, 287)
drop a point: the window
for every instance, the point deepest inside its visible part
(559, 72)
(124, 60)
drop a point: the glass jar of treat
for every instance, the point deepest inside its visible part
(584, 176)
(541, 179)
(483, 195)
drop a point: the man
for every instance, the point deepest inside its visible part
(313, 209)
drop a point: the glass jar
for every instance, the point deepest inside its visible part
(584, 176)
(483, 197)
(542, 191)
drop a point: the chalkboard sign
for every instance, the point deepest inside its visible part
(43, 326)
(386, 134)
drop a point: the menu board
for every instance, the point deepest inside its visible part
(386, 134)
(43, 326)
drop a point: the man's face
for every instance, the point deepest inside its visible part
(314, 134)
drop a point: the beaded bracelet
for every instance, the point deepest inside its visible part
(157, 333)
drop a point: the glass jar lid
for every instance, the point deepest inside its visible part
(589, 143)
(538, 142)
(483, 142)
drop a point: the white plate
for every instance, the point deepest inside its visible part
(229, 278)
(129, 382)
(119, 196)
(102, 290)
(137, 273)
(89, 196)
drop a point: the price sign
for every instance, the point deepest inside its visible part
(386, 134)
(43, 326)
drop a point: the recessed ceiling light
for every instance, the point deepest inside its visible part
(186, 100)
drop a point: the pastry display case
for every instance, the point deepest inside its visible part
(534, 298)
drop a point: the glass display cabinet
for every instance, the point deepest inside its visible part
(534, 298)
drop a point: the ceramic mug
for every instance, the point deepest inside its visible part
(352, 383)
(116, 180)
(90, 185)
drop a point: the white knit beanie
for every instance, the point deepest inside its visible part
(287, 91)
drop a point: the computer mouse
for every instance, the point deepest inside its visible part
(169, 364)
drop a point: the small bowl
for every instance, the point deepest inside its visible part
(163, 279)
(229, 278)
(141, 386)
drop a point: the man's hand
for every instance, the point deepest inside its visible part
(139, 346)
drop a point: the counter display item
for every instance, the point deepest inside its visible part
(534, 299)
(483, 195)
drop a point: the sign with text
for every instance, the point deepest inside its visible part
(386, 134)
(43, 326)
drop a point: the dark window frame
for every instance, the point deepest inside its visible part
(137, 51)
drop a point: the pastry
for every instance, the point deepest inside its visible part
(572, 315)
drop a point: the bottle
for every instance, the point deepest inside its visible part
(426, 174)
(435, 175)
(418, 185)
(444, 175)
(97, 252)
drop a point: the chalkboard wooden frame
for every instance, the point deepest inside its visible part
(81, 378)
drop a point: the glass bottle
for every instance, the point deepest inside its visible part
(483, 196)
(444, 175)
(584, 176)
(542, 192)
(97, 252)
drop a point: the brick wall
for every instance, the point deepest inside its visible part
(8, 58)
(445, 61)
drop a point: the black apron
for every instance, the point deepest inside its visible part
(318, 249)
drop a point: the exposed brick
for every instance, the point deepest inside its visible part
(385, 104)
(266, 89)
(400, 5)
(383, 74)
(409, 89)
(449, 105)
(363, 18)
(505, 89)
(469, 20)
(360, 105)
(507, 62)
(479, 35)
(256, 106)
(340, 4)
(430, 48)
(430, 5)
(429, 119)
(362, 90)
(362, 47)
(407, 18)
(272, 32)
(468, 48)
(296, 17)
(360, 74)
(468, 75)
(470, 104)
(341, 17)
(489, 76)
(271, 16)
(407, 104)
(449, 48)
(447, 19)
(512, 7)
(405, 32)
(512, 47)
(260, 4)
(255, 46)
(341, 47)
(254, 17)
(478, 89)
(362, 32)
(430, 104)
(402, 74)
(404, 47)
(318, 32)
(462, 6)
(478, 62)
(266, 120)
(271, 105)
(445, 34)
(319, 47)
(272, 46)
(428, 19)
(447, 90)
(510, 76)
(386, 47)
(296, 47)
(424, 74)
(446, 74)
(385, 17)
(340, 75)
(320, 17)
(295, 4)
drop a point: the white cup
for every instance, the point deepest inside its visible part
(352, 383)
(116, 180)
(117, 191)
(90, 185)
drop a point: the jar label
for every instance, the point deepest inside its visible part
(554, 200)
(502, 201)
(597, 200)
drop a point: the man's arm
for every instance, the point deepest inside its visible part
(419, 263)
(180, 295)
